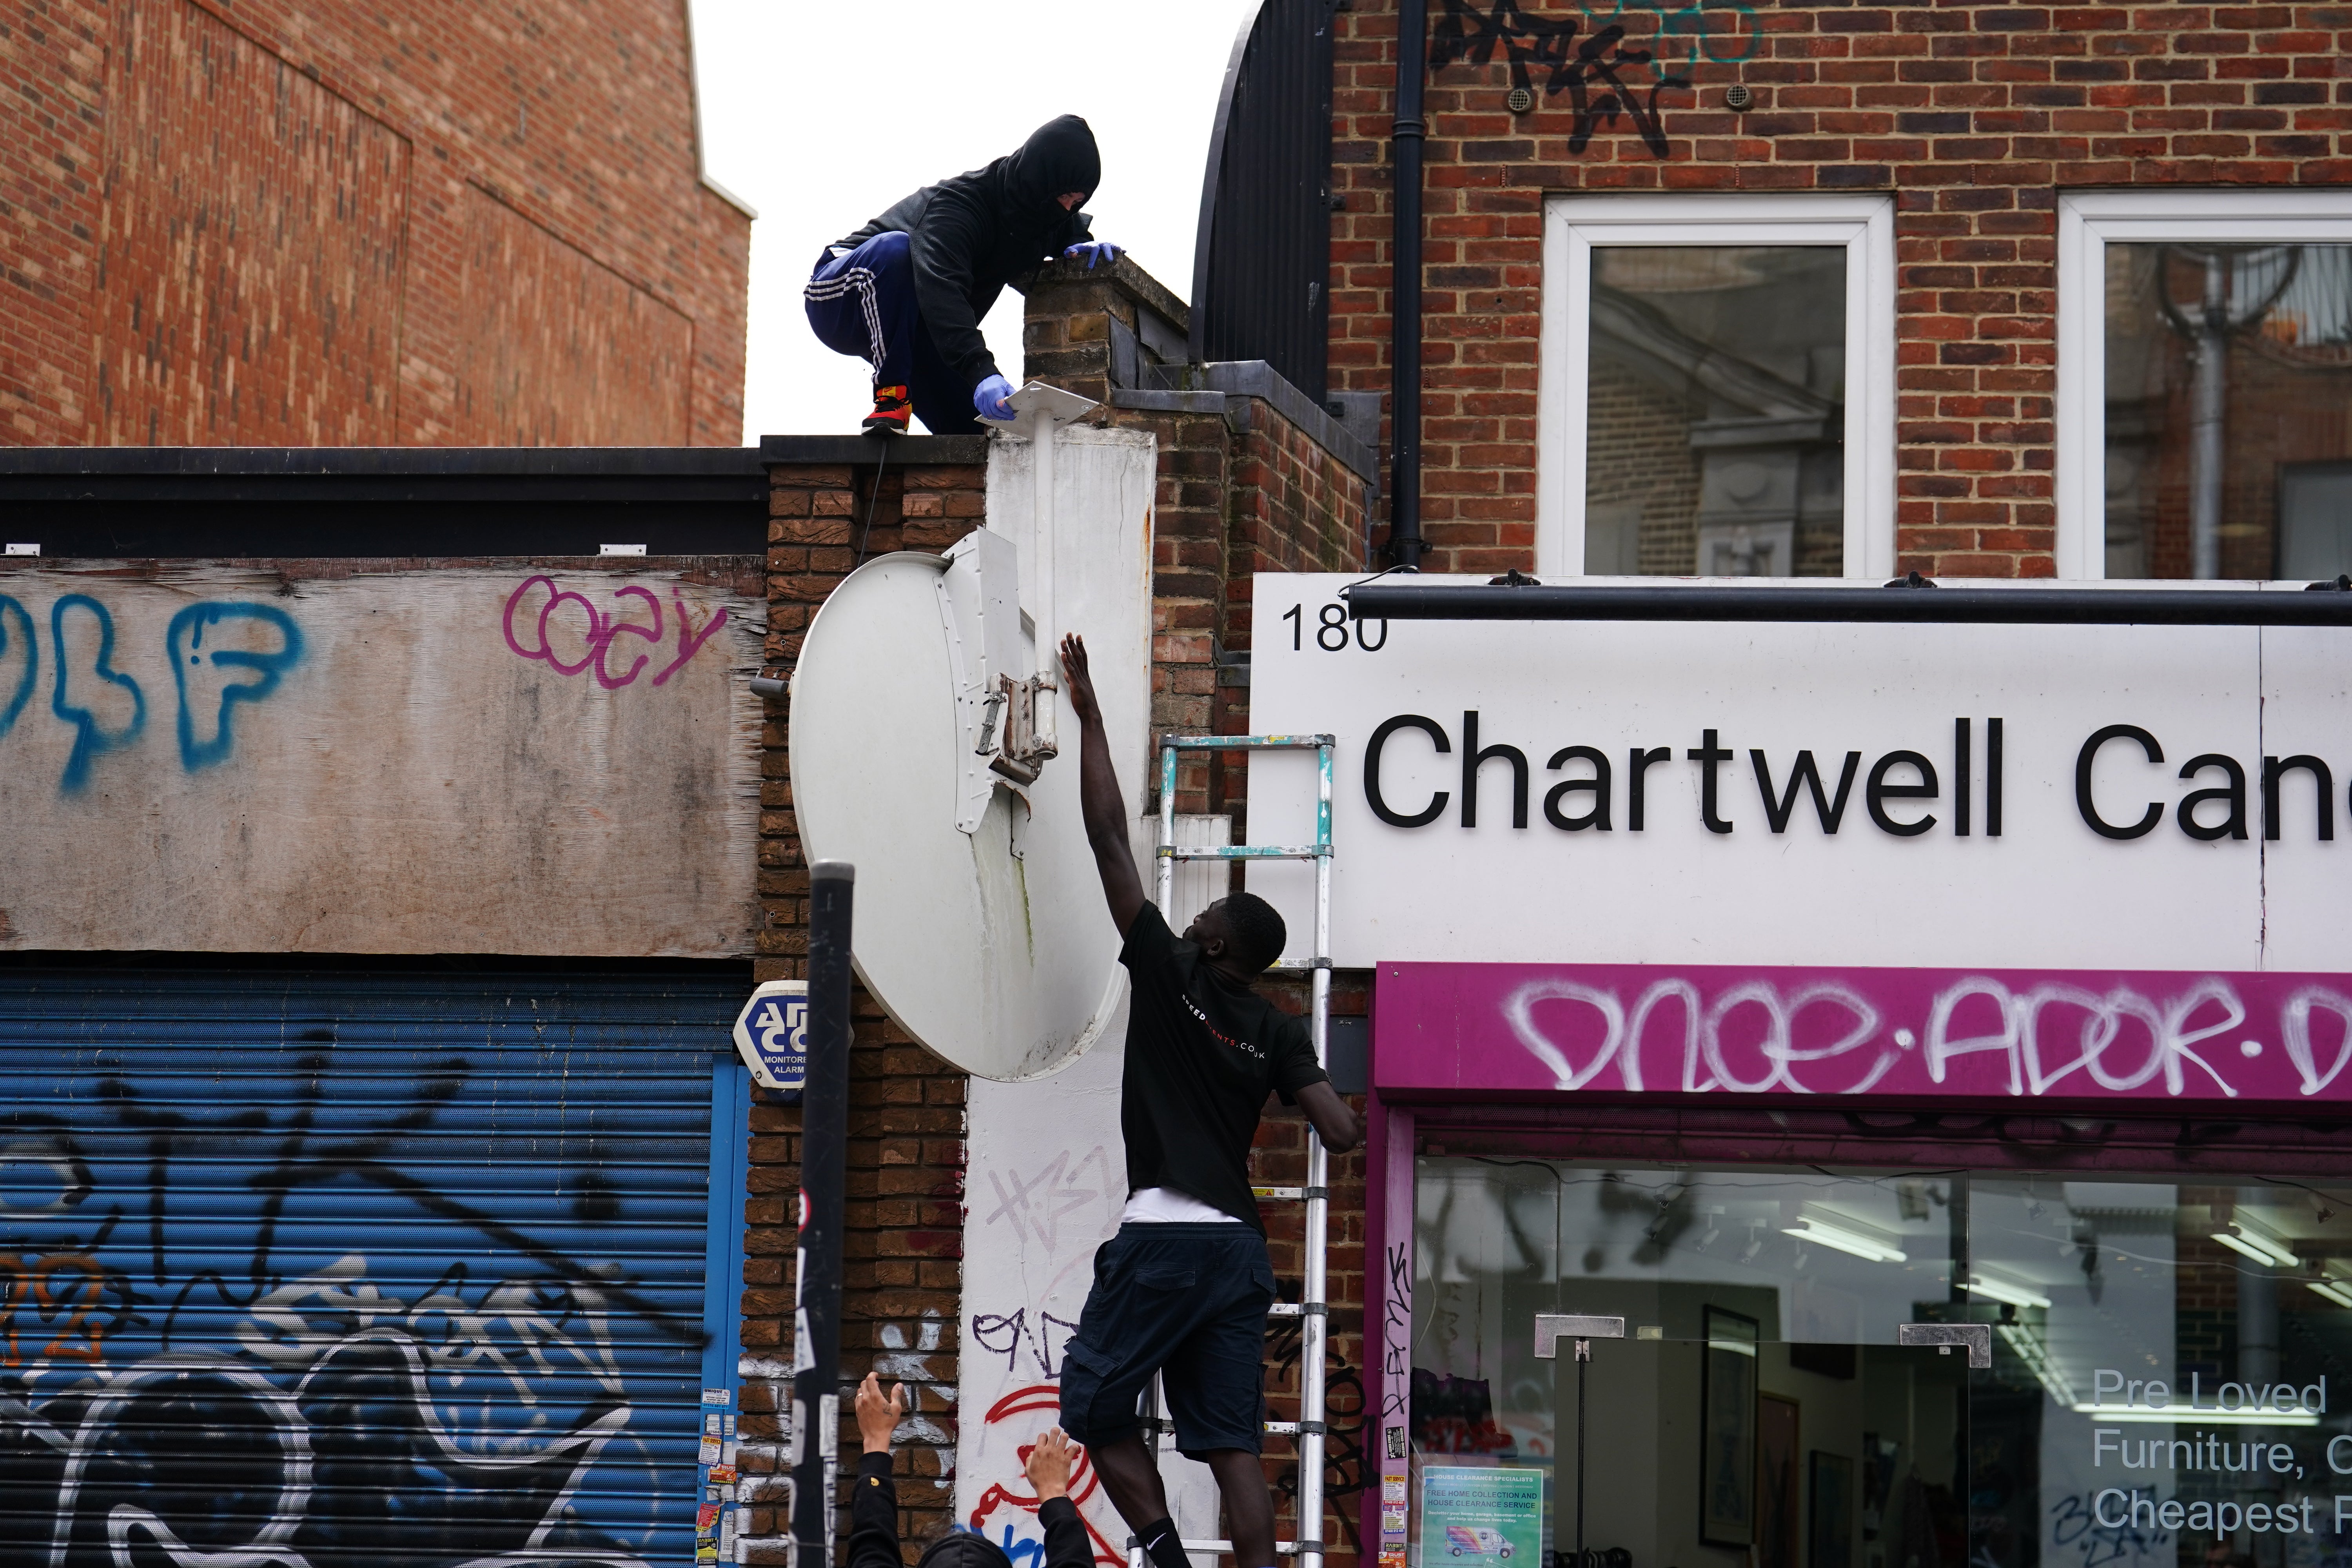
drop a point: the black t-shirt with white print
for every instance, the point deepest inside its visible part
(1201, 1055)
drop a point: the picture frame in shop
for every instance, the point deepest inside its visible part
(1726, 1448)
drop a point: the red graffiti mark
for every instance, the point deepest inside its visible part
(1084, 1482)
(603, 628)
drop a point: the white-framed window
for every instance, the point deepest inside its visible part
(2205, 384)
(1717, 389)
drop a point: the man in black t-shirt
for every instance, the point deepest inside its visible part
(1183, 1288)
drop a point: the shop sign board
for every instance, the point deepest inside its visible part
(2058, 859)
(357, 756)
(1696, 1028)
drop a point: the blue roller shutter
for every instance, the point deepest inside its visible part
(395, 1270)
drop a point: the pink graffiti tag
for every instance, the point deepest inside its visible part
(605, 627)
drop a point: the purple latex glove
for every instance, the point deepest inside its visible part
(989, 399)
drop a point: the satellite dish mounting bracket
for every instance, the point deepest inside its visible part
(1028, 741)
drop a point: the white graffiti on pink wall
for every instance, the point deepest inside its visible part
(1870, 1032)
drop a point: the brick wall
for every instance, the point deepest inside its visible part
(903, 1246)
(264, 223)
(1973, 116)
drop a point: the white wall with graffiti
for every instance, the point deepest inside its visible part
(1045, 1183)
(367, 759)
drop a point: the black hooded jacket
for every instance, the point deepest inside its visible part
(874, 1530)
(976, 233)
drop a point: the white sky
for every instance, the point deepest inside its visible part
(822, 113)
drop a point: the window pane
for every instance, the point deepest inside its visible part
(1716, 411)
(2229, 415)
(2171, 1386)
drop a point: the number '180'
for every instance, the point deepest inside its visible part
(1331, 632)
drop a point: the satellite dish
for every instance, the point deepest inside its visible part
(921, 751)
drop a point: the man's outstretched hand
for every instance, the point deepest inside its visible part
(1050, 1463)
(1098, 797)
(878, 1418)
(1081, 683)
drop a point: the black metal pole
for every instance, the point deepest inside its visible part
(816, 1275)
(1583, 1359)
(1405, 271)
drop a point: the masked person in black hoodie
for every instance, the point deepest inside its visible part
(906, 292)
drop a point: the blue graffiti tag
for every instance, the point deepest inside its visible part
(183, 643)
(9, 606)
(1024, 1554)
(91, 740)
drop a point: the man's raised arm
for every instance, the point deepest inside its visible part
(1098, 798)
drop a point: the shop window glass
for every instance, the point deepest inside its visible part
(2171, 1377)
(1716, 411)
(2228, 410)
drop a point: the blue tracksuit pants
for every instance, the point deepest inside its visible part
(864, 304)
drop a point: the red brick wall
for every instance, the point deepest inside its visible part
(1974, 116)
(266, 222)
(903, 1247)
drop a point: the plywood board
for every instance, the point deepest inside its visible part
(355, 757)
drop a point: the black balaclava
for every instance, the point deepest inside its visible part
(964, 1550)
(1059, 156)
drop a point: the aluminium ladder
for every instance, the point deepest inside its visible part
(1312, 1309)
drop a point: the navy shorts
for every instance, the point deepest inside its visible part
(1189, 1301)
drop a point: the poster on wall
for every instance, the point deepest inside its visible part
(1726, 1455)
(1481, 1514)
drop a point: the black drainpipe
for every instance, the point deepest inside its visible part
(1404, 245)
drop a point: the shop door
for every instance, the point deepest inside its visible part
(2157, 1378)
(399, 1271)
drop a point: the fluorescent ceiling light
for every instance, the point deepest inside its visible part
(1998, 1289)
(2331, 1291)
(2141, 1415)
(1808, 1229)
(2244, 1239)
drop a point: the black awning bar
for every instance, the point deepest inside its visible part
(1388, 599)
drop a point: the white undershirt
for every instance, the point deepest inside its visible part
(1166, 1205)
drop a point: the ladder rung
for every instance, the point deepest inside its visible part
(1242, 852)
(1246, 742)
(1281, 1548)
(1301, 965)
(1294, 1194)
(1293, 1428)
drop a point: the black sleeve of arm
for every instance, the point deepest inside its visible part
(873, 1516)
(1296, 1066)
(943, 248)
(1066, 1546)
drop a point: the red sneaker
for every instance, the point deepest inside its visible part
(891, 410)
